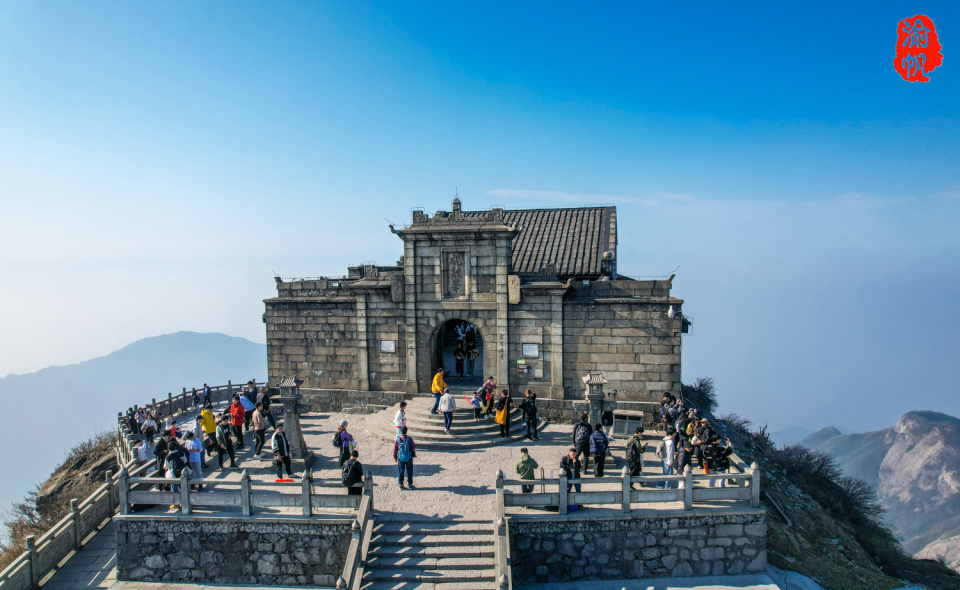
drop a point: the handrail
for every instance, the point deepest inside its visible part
(503, 571)
(746, 487)
(362, 532)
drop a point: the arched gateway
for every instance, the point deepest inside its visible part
(540, 286)
(460, 334)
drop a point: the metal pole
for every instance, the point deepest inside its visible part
(76, 523)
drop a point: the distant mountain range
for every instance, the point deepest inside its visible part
(915, 467)
(51, 410)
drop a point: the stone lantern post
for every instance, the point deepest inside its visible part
(594, 383)
(290, 398)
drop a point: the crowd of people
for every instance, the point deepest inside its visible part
(689, 439)
(180, 448)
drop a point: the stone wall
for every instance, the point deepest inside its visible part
(218, 550)
(340, 400)
(671, 544)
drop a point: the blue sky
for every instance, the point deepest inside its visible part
(160, 162)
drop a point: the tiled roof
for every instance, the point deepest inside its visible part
(572, 239)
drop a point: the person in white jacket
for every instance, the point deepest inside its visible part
(447, 405)
(665, 452)
(400, 420)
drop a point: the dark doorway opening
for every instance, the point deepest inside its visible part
(468, 336)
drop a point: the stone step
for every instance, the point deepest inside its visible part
(424, 551)
(430, 540)
(441, 585)
(429, 563)
(430, 576)
(465, 425)
(437, 527)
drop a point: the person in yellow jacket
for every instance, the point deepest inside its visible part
(209, 426)
(437, 389)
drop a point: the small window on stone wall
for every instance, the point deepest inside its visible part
(388, 346)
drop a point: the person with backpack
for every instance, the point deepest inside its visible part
(437, 388)
(248, 408)
(352, 473)
(176, 464)
(598, 448)
(635, 450)
(581, 440)
(665, 452)
(225, 442)
(344, 441)
(473, 355)
(404, 450)
(448, 404)
(281, 451)
(526, 469)
(529, 407)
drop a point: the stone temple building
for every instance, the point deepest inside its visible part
(539, 286)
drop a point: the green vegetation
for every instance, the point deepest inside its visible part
(81, 472)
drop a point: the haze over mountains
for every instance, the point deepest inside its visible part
(915, 467)
(51, 410)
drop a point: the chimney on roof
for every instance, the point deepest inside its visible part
(456, 205)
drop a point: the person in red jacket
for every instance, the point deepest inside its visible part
(237, 414)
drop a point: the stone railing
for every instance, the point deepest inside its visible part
(244, 493)
(361, 533)
(694, 489)
(502, 568)
(68, 535)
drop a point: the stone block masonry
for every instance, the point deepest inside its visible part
(231, 550)
(668, 544)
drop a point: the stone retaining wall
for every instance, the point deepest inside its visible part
(675, 545)
(341, 400)
(224, 550)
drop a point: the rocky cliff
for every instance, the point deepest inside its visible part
(915, 467)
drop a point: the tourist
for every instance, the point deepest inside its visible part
(598, 448)
(526, 469)
(400, 419)
(404, 450)
(581, 440)
(570, 465)
(207, 392)
(194, 450)
(665, 452)
(486, 394)
(684, 458)
(259, 430)
(529, 417)
(717, 458)
(473, 355)
(198, 435)
(352, 473)
(175, 465)
(437, 388)
(448, 404)
(503, 414)
(635, 449)
(471, 336)
(704, 433)
(459, 355)
(195, 397)
(461, 331)
(149, 428)
(523, 406)
(281, 451)
(346, 442)
(477, 405)
(160, 453)
(174, 429)
(264, 398)
(248, 409)
(141, 447)
(225, 442)
(210, 429)
(237, 414)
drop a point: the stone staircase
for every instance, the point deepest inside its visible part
(427, 429)
(437, 554)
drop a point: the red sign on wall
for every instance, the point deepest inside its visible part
(918, 49)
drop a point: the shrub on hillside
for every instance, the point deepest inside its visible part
(701, 394)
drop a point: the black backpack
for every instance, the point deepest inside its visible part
(350, 476)
(336, 439)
